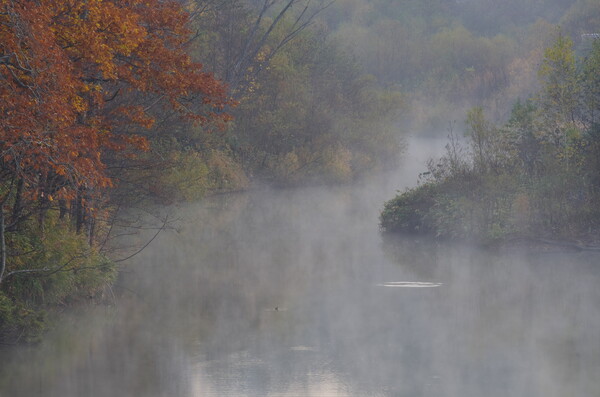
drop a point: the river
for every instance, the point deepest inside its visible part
(294, 292)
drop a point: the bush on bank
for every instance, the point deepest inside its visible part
(47, 268)
(537, 175)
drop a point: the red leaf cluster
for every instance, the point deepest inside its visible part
(77, 75)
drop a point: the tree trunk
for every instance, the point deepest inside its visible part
(91, 230)
(2, 246)
(79, 212)
(18, 206)
(62, 205)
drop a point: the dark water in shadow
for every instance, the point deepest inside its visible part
(295, 293)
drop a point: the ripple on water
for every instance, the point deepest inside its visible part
(409, 284)
(303, 349)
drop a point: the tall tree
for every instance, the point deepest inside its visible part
(558, 75)
(590, 82)
(77, 78)
(250, 33)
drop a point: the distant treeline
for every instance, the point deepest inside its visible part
(447, 56)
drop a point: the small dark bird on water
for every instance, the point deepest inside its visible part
(276, 308)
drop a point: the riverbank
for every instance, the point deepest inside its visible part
(493, 211)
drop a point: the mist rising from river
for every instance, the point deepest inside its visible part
(296, 293)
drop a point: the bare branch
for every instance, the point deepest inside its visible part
(47, 271)
(253, 44)
(147, 243)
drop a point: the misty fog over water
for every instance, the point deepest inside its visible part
(295, 292)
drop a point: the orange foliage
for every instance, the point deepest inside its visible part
(76, 75)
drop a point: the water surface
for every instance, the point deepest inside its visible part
(296, 293)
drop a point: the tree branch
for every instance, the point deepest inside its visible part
(147, 243)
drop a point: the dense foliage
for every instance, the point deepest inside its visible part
(307, 112)
(537, 175)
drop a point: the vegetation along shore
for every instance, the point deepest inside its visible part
(535, 176)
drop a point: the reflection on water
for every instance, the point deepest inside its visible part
(295, 293)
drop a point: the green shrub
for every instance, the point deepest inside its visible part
(47, 267)
(409, 212)
(20, 323)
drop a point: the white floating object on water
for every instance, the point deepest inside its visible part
(302, 349)
(409, 284)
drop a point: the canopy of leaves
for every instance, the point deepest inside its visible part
(75, 76)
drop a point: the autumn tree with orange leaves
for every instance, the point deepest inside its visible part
(78, 78)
